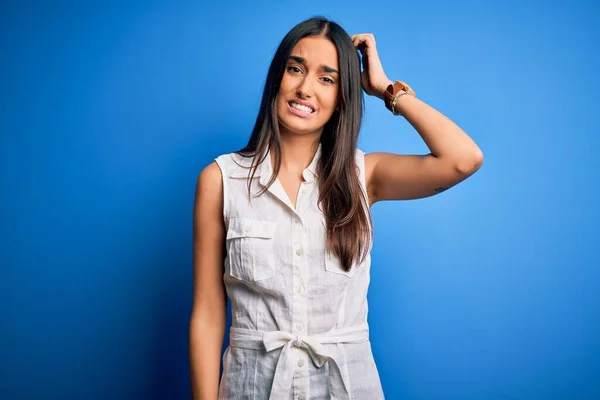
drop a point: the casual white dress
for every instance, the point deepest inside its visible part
(299, 321)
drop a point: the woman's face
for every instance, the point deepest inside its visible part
(309, 88)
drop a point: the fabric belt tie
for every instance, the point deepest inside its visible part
(314, 344)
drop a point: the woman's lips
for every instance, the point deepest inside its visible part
(299, 113)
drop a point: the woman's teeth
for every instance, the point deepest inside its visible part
(302, 108)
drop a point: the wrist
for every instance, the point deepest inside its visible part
(394, 92)
(381, 89)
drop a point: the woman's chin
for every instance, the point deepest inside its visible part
(298, 129)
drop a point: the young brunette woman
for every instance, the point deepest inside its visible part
(282, 227)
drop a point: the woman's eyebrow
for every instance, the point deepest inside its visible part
(325, 68)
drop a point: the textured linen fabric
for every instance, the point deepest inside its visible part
(299, 321)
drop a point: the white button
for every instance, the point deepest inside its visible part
(247, 228)
(299, 252)
(301, 397)
(300, 362)
(299, 326)
(297, 220)
(300, 289)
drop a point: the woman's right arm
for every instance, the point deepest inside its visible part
(208, 318)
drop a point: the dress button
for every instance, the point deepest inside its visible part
(247, 228)
(299, 252)
(301, 397)
(299, 326)
(300, 289)
(297, 220)
(300, 362)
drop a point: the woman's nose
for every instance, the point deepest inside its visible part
(305, 88)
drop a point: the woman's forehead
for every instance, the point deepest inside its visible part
(316, 51)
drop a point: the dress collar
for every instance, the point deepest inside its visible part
(265, 169)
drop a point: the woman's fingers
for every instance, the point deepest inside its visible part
(367, 38)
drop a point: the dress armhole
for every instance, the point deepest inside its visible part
(360, 163)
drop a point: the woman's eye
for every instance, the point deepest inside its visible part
(296, 70)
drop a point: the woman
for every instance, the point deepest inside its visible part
(283, 225)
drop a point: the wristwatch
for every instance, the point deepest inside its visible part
(393, 90)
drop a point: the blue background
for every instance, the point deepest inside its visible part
(109, 113)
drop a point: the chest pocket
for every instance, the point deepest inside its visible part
(333, 265)
(250, 249)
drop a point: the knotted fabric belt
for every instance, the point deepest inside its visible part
(314, 344)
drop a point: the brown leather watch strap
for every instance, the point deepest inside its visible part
(393, 89)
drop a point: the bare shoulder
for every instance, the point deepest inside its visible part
(208, 202)
(210, 177)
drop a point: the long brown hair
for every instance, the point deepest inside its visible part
(341, 198)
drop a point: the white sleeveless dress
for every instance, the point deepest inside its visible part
(299, 321)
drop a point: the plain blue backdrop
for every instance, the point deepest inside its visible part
(489, 290)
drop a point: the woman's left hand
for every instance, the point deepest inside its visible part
(373, 78)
